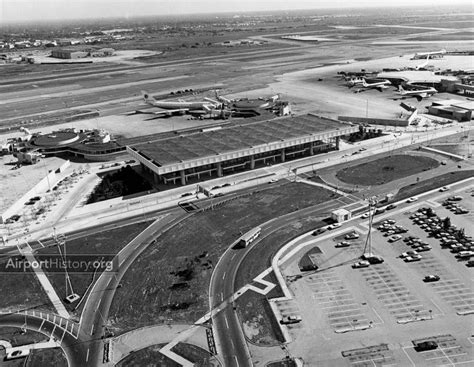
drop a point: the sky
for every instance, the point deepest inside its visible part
(14, 10)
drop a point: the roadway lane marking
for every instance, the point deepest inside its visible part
(87, 355)
(236, 361)
(42, 322)
(235, 253)
(222, 297)
(223, 275)
(98, 303)
(92, 329)
(226, 322)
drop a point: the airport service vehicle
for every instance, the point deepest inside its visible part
(361, 264)
(334, 226)
(18, 353)
(431, 278)
(443, 189)
(319, 231)
(249, 237)
(293, 319)
(413, 258)
(343, 244)
(394, 238)
(351, 236)
(411, 200)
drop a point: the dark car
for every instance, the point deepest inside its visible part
(391, 206)
(427, 345)
(319, 231)
(431, 278)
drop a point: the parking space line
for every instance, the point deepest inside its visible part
(409, 358)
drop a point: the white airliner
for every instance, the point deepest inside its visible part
(419, 93)
(169, 108)
(424, 64)
(422, 55)
(379, 85)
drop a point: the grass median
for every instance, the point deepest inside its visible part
(169, 281)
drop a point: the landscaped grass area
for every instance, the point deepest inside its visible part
(258, 321)
(47, 358)
(386, 169)
(108, 242)
(433, 183)
(21, 291)
(169, 281)
(16, 337)
(194, 354)
(150, 356)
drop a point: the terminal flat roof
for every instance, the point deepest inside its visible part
(416, 76)
(233, 138)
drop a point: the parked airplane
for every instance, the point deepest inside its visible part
(419, 93)
(379, 84)
(249, 104)
(432, 54)
(423, 65)
(170, 108)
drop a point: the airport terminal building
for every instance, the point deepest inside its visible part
(218, 151)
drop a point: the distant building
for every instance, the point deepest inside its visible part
(452, 109)
(340, 215)
(69, 54)
(103, 52)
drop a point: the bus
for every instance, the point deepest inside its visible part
(249, 237)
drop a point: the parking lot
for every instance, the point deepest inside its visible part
(374, 315)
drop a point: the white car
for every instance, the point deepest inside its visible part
(334, 226)
(394, 238)
(411, 200)
(409, 254)
(360, 264)
(443, 189)
(290, 319)
(410, 259)
(366, 215)
(343, 244)
(351, 236)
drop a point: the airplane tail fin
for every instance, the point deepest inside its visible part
(146, 97)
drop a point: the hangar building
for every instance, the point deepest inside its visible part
(188, 158)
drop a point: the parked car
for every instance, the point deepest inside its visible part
(343, 244)
(443, 189)
(351, 236)
(293, 319)
(365, 215)
(408, 254)
(412, 199)
(360, 264)
(410, 259)
(394, 238)
(431, 278)
(334, 226)
(391, 206)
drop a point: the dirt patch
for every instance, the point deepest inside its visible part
(386, 169)
(53, 357)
